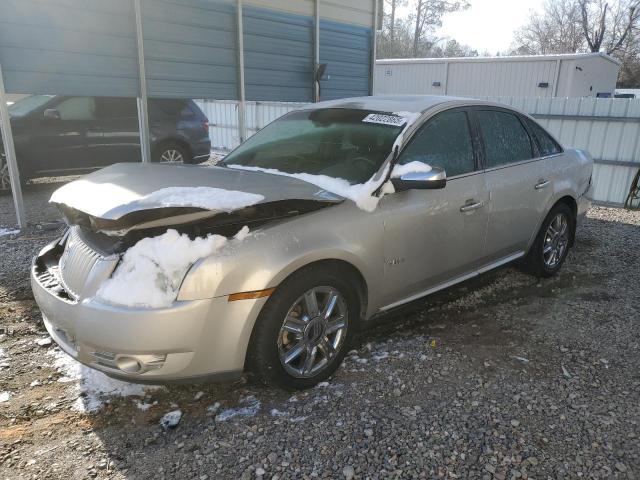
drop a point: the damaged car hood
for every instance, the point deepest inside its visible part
(128, 195)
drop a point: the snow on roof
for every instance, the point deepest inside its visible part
(506, 58)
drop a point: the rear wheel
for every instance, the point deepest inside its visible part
(550, 248)
(171, 152)
(303, 332)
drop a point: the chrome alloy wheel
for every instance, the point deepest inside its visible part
(171, 155)
(555, 240)
(313, 332)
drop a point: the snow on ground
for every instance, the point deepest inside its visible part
(251, 407)
(7, 231)
(93, 387)
(201, 197)
(4, 397)
(151, 272)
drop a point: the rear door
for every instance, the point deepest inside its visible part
(118, 125)
(434, 236)
(517, 180)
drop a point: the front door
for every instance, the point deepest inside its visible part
(432, 237)
(61, 145)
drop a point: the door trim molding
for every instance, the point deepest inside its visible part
(450, 283)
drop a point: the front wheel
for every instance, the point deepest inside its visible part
(550, 248)
(5, 178)
(304, 330)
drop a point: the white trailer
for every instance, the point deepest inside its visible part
(570, 75)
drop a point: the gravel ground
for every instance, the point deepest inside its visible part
(503, 377)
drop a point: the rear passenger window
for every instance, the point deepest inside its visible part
(505, 139)
(547, 145)
(444, 142)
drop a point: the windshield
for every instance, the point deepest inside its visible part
(28, 104)
(337, 142)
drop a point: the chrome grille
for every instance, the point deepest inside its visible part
(76, 263)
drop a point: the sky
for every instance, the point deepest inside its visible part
(488, 24)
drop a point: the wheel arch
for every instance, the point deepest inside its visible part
(345, 267)
(571, 202)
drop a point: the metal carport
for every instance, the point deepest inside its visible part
(223, 49)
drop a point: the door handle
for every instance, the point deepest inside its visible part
(469, 206)
(542, 184)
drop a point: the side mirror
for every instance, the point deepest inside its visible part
(431, 180)
(51, 114)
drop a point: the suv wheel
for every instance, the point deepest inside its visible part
(5, 178)
(304, 329)
(172, 153)
(550, 248)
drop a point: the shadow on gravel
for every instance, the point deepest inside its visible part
(489, 320)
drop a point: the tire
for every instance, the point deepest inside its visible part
(274, 340)
(171, 152)
(5, 182)
(549, 250)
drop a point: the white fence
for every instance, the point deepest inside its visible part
(607, 128)
(223, 119)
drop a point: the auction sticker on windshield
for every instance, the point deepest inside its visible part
(381, 119)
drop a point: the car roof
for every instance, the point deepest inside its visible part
(392, 103)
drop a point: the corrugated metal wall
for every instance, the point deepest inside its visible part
(607, 128)
(69, 47)
(346, 49)
(190, 48)
(278, 55)
(519, 79)
(580, 75)
(223, 119)
(89, 47)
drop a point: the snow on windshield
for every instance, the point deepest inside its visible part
(151, 272)
(361, 194)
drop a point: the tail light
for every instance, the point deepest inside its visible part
(205, 126)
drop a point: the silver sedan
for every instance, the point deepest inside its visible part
(333, 214)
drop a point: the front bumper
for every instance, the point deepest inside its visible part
(187, 341)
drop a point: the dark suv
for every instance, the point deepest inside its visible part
(56, 135)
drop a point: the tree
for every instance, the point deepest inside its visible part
(568, 26)
(412, 35)
(608, 25)
(556, 30)
(427, 17)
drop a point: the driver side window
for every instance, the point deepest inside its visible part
(445, 141)
(77, 108)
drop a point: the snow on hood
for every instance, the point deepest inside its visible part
(361, 193)
(151, 272)
(207, 198)
(121, 189)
